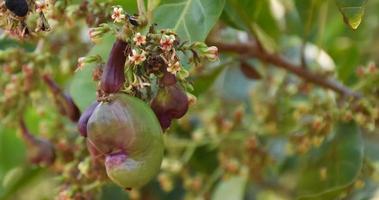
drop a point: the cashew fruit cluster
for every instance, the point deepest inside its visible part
(121, 130)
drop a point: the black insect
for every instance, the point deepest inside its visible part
(18, 7)
(133, 20)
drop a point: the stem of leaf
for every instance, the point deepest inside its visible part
(141, 7)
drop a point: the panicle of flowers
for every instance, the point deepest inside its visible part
(118, 14)
(139, 39)
(137, 57)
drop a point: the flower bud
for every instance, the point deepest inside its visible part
(113, 77)
(97, 33)
(40, 151)
(83, 120)
(210, 53)
(82, 61)
(18, 7)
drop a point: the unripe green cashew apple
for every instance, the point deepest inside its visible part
(127, 132)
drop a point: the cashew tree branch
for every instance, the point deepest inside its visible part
(252, 50)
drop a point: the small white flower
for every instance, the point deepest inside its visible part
(139, 39)
(118, 14)
(41, 6)
(173, 68)
(137, 58)
(167, 42)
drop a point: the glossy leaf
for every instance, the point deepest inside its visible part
(352, 11)
(191, 19)
(12, 150)
(333, 166)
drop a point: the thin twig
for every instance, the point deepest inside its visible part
(251, 50)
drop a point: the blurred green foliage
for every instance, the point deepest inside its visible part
(343, 166)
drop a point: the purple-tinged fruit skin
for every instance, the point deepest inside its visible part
(126, 124)
(83, 120)
(168, 79)
(40, 151)
(113, 76)
(171, 102)
(18, 7)
(115, 159)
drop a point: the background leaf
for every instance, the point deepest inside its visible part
(232, 188)
(334, 165)
(352, 11)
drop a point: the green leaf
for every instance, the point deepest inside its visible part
(191, 19)
(352, 11)
(334, 166)
(83, 88)
(232, 85)
(204, 82)
(21, 178)
(232, 188)
(12, 150)
(254, 17)
(204, 159)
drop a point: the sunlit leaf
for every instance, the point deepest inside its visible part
(191, 19)
(352, 11)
